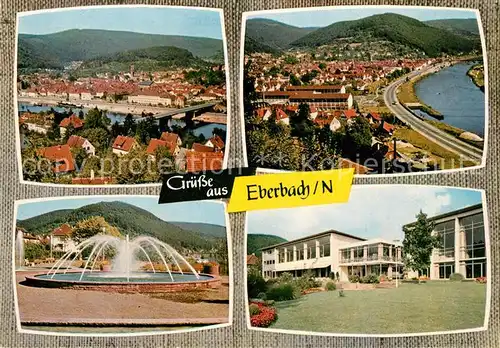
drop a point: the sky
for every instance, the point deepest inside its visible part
(322, 17)
(207, 212)
(150, 20)
(371, 212)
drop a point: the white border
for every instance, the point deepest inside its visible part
(487, 311)
(18, 203)
(353, 7)
(226, 70)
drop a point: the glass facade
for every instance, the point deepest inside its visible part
(345, 255)
(311, 250)
(475, 269)
(300, 252)
(358, 253)
(446, 269)
(473, 226)
(372, 252)
(446, 233)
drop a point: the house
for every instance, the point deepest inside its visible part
(252, 260)
(73, 120)
(202, 148)
(215, 142)
(282, 116)
(61, 239)
(154, 144)
(180, 101)
(386, 127)
(123, 145)
(204, 161)
(173, 142)
(358, 168)
(60, 156)
(263, 113)
(76, 141)
(374, 117)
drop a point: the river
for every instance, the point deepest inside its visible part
(451, 92)
(206, 129)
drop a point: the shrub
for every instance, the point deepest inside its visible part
(282, 292)
(265, 317)
(332, 276)
(456, 277)
(369, 279)
(253, 309)
(307, 281)
(330, 286)
(285, 277)
(255, 283)
(262, 296)
(354, 278)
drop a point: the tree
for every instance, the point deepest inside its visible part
(302, 125)
(116, 129)
(322, 66)
(70, 130)
(96, 119)
(419, 243)
(92, 226)
(358, 139)
(79, 155)
(54, 133)
(99, 137)
(129, 125)
(81, 115)
(294, 81)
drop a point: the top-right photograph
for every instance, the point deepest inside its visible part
(382, 89)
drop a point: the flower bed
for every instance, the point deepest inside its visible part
(481, 280)
(266, 316)
(311, 290)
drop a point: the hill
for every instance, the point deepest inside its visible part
(394, 28)
(255, 242)
(252, 46)
(461, 26)
(145, 59)
(216, 231)
(128, 218)
(274, 34)
(86, 44)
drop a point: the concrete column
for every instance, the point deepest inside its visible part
(286, 254)
(294, 253)
(390, 253)
(317, 248)
(365, 253)
(380, 251)
(352, 253)
(305, 252)
(463, 244)
(457, 246)
(389, 271)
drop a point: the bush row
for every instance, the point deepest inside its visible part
(368, 279)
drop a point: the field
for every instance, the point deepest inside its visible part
(411, 308)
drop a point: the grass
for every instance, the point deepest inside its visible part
(446, 159)
(407, 95)
(476, 73)
(411, 308)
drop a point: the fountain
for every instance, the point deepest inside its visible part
(19, 247)
(167, 268)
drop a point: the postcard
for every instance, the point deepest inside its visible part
(120, 95)
(382, 89)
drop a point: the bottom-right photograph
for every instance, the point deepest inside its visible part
(393, 260)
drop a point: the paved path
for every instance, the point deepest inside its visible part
(427, 130)
(64, 306)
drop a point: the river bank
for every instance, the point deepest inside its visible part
(408, 96)
(117, 108)
(476, 73)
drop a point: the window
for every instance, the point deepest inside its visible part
(474, 234)
(445, 270)
(385, 252)
(324, 250)
(289, 255)
(281, 256)
(346, 255)
(358, 253)
(311, 250)
(372, 252)
(475, 269)
(446, 233)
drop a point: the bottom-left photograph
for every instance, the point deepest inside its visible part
(120, 265)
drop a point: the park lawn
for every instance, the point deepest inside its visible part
(411, 308)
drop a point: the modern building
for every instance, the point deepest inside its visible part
(463, 244)
(332, 251)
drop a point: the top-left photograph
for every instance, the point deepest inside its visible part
(119, 95)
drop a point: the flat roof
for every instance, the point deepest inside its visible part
(314, 236)
(372, 241)
(452, 213)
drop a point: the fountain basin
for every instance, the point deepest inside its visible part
(147, 282)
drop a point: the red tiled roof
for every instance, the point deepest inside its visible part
(351, 113)
(74, 120)
(252, 260)
(203, 161)
(389, 128)
(217, 141)
(123, 143)
(76, 141)
(202, 148)
(169, 137)
(63, 230)
(280, 114)
(61, 155)
(154, 144)
(375, 116)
